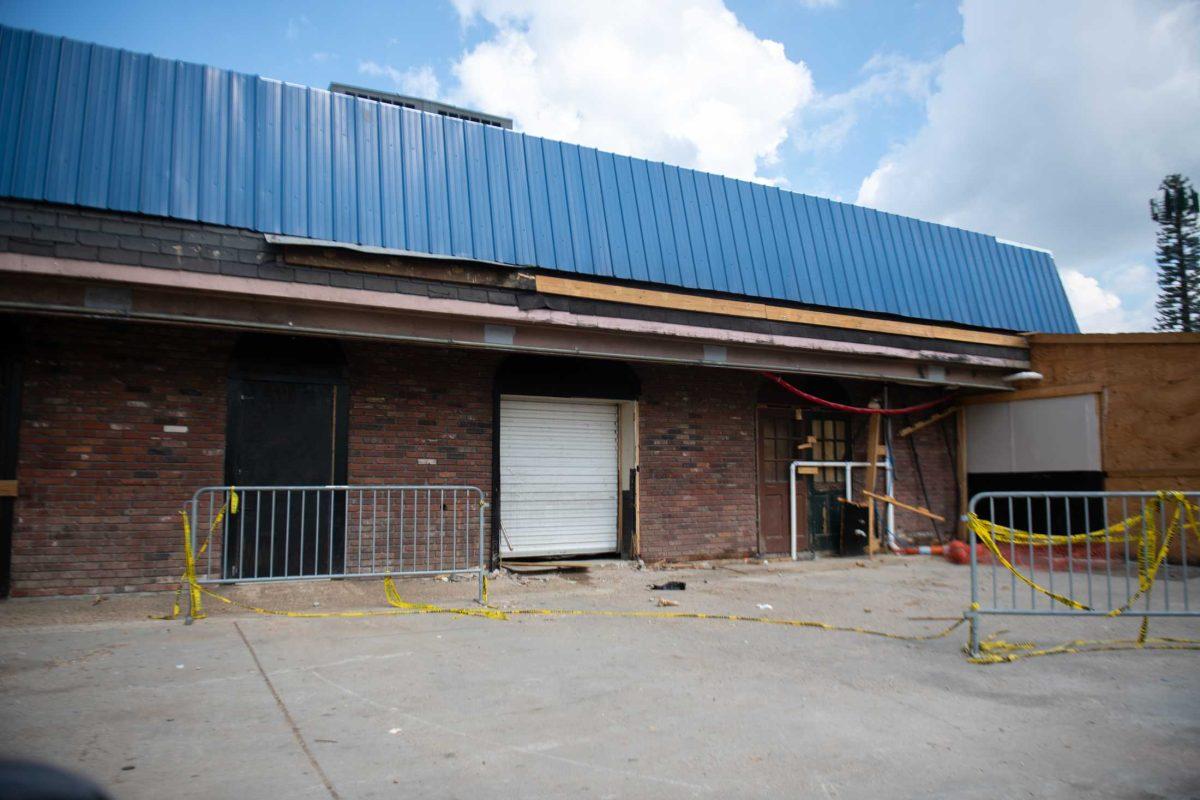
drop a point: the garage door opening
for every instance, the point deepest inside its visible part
(566, 463)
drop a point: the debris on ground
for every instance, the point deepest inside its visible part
(531, 567)
(765, 607)
(662, 601)
(669, 586)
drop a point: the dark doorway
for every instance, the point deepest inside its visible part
(10, 423)
(1039, 515)
(288, 404)
(827, 439)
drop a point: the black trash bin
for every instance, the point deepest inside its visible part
(853, 541)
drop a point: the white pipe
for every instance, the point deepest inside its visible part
(889, 483)
(848, 465)
(792, 506)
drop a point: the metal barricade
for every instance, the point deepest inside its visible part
(278, 533)
(1084, 554)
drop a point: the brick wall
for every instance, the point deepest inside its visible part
(937, 466)
(420, 415)
(697, 452)
(423, 415)
(102, 478)
(104, 463)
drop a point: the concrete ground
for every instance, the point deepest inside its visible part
(243, 705)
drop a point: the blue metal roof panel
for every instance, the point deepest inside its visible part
(89, 125)
(34, 122)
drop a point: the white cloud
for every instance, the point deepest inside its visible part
(675, 80)
(296, 26)
(1096, 308)
(826, 122)
(419, 81)
(1052, 123)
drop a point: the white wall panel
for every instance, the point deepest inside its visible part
(1052, 434)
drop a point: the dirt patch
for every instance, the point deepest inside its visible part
(620, 583)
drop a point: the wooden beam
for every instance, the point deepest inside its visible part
(1115, 338)
(8, 488)
(873, 426)
(924, 512)
(1065, 390)
(592, 290)
(925, 423)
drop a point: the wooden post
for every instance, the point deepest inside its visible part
(872, 473)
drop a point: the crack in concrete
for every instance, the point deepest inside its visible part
(287, 715)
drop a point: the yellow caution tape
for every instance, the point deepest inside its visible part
(1118, 532)
(188, 578)
(999, 651)
(1150, 556)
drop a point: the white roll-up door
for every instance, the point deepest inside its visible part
(558, 477)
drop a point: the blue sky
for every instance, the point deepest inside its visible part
(1047, 123)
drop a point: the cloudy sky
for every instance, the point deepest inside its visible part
(1048, 122)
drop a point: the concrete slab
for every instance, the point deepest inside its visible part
(241, 705)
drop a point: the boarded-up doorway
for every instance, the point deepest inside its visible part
(287, 427)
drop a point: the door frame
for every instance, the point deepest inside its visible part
(566, 378)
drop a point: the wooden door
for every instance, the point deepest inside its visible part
(779, 433)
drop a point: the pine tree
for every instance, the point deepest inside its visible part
(1178, 255)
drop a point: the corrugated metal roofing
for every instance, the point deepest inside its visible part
(95, 126)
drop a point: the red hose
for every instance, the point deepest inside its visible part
(890, 412)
